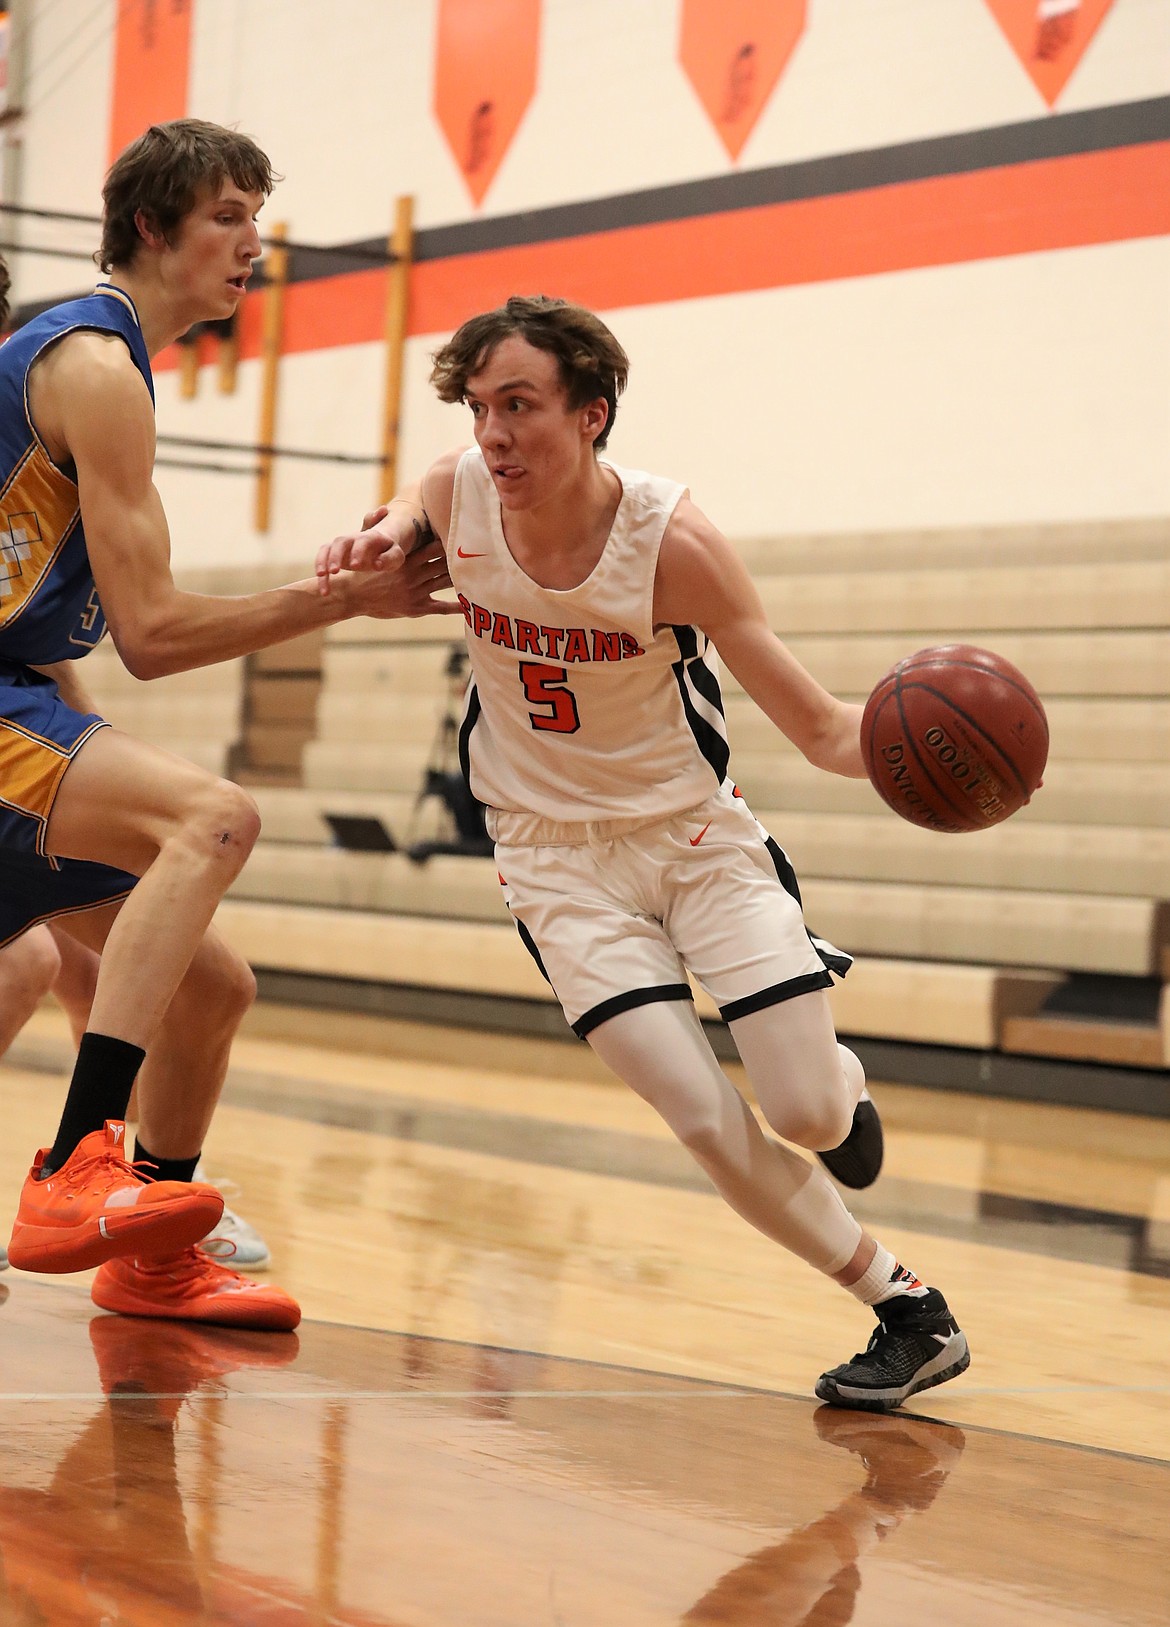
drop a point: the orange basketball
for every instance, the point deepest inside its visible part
(954, 738)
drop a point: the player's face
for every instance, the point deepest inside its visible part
(209, 264)
(533, 442)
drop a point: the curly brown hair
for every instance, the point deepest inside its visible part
(591, 361)
(163, 174)
(5, 286)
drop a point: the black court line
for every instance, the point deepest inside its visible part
(646, 1384)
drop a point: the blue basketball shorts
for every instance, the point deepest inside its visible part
(39, 738)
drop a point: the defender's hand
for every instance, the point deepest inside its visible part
(404, 587)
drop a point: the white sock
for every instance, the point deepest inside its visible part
(885, 1279)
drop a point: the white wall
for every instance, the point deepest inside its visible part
(1026, 388)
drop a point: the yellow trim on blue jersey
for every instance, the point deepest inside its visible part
(119, 294)
(31, 771)
(38, 510)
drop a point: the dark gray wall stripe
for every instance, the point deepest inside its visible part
(1055, 136)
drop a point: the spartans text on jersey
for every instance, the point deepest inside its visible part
(567, 644)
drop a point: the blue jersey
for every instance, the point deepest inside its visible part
(49, 608)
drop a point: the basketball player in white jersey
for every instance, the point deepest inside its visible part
(594, 735)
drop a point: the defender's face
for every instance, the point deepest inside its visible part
(532, 441)
(210, 261)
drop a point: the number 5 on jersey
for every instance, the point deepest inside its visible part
(546, 686)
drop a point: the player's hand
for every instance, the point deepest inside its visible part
(388, 534)
(400, 587)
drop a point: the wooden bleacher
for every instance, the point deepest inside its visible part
(198, 715)
(960, 940)
(248, 719)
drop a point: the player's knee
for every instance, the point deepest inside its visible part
(28, 969)
(817, 1123)
(223, 822)
(834, 1128)
(703, 1137)
(240, 824)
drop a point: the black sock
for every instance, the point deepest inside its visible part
(103, 1077)
(165, 1169)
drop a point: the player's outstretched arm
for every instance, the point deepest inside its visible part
(702, 581)
(415, 519)
(92, 405)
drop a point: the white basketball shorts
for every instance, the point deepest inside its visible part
(615, 912)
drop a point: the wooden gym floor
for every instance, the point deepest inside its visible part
(545, 1377)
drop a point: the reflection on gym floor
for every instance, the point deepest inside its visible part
(155, 1474)
(546, 1379)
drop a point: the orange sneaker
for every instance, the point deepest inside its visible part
(98, 1205)
(192, 1287)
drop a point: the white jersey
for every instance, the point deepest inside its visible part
(580, 708)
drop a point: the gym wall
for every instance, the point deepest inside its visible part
(918, 295)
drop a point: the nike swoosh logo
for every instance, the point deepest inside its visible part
(462, 555)
(695, 840)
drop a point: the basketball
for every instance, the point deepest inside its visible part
(954, 738)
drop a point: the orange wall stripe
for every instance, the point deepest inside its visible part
(1053, 204)
(1059, 203)
(152, 56)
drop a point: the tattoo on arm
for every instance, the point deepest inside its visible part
(423, 533)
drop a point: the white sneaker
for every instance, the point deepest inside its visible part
(233, 1239)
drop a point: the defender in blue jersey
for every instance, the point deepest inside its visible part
(129, 848)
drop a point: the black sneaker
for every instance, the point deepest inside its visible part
(917, 1345)
(858, 1160)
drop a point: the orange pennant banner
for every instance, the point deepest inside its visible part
(485, 77)
(733, 52)
(152, 57)
(1049, 37)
